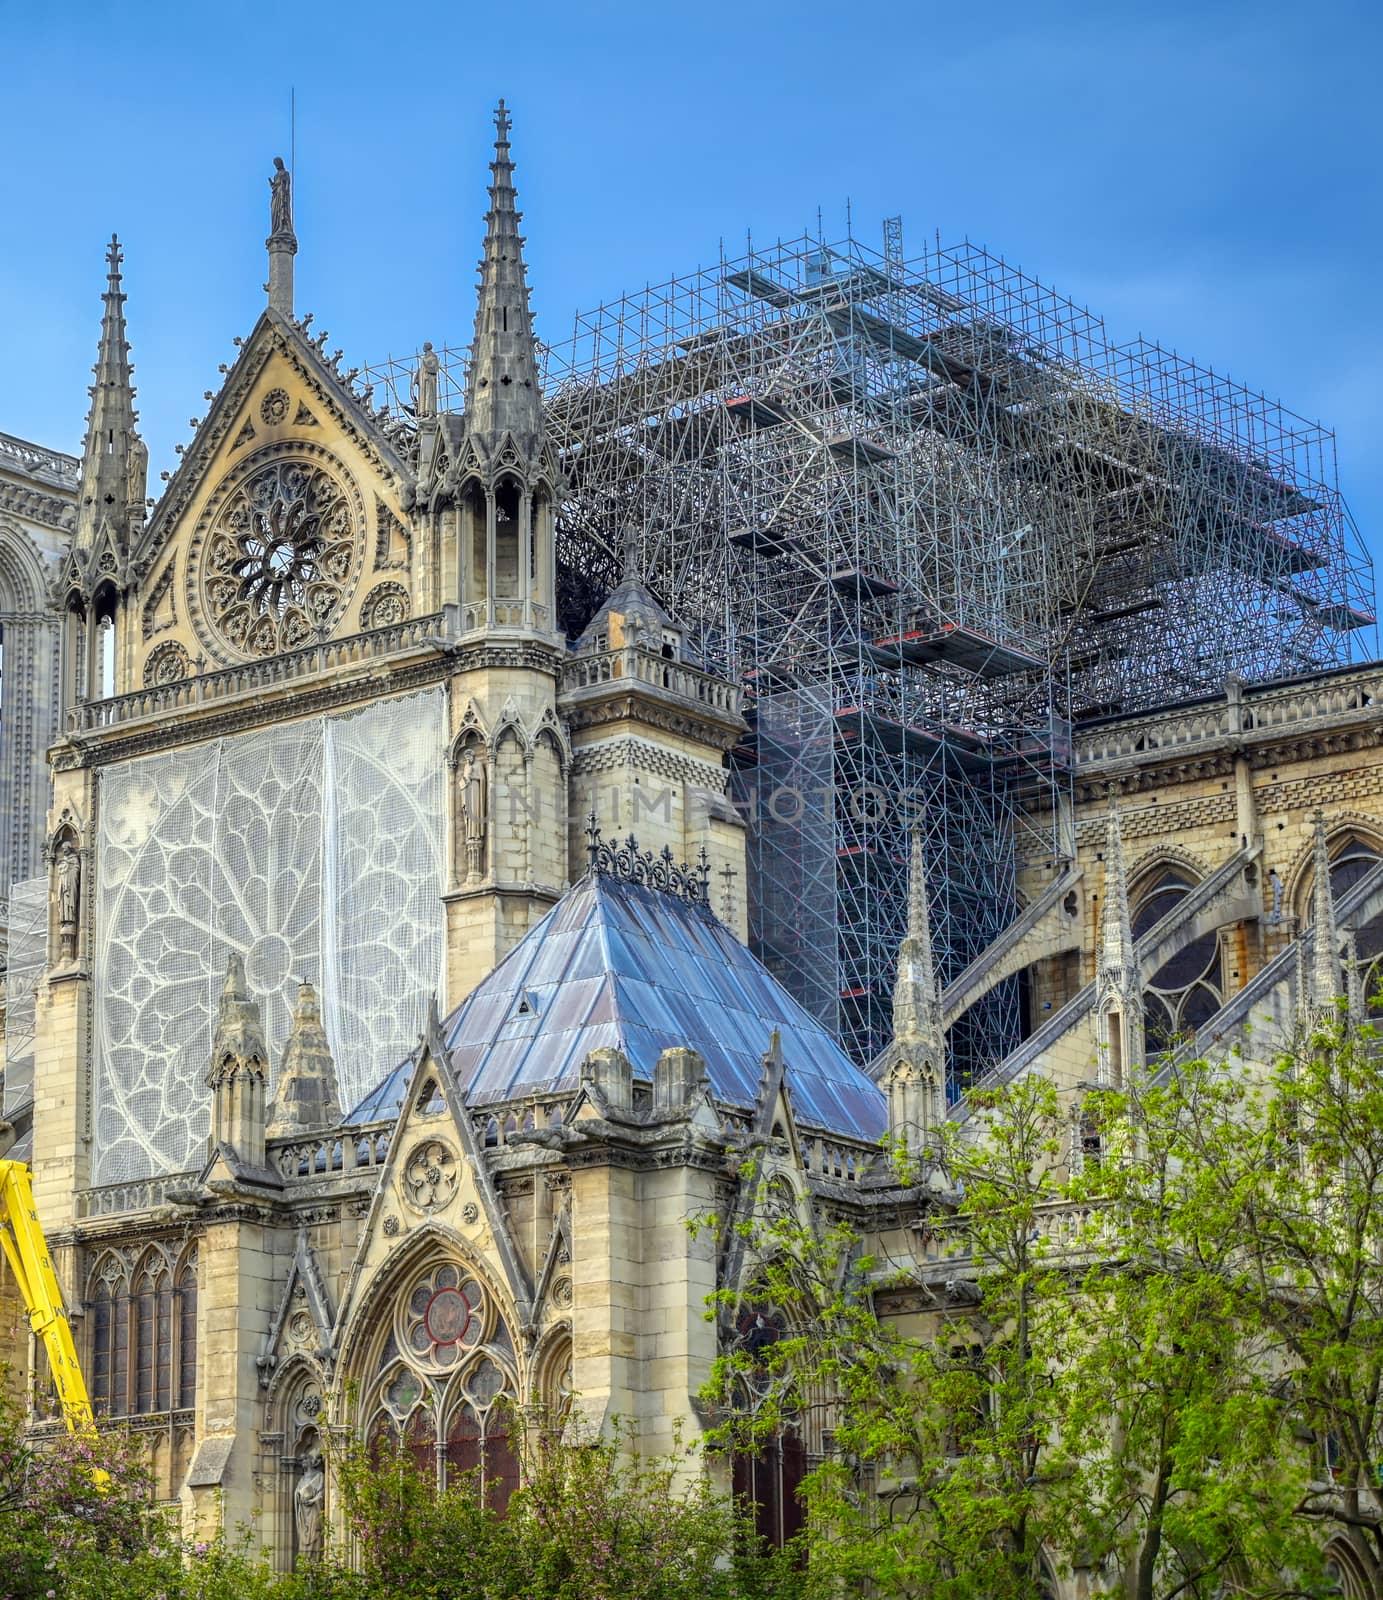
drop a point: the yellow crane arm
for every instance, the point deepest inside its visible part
(26, 1250)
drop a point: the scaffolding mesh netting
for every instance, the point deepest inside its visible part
(28, 942)
(314, 850)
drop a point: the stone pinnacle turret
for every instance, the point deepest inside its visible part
(1119, 995)
(502, 385)
(307, 1099)
(916, 1005)
(239, 1073)
(114, 459)
(1325, 952)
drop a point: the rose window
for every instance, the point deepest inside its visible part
(280, 558)
(443, 1317)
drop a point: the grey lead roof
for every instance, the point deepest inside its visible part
(618, 964)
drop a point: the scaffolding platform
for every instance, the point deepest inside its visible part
(764, 541)
(956, 747)
(860, 584)
(957, 646)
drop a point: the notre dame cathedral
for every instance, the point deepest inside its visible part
(368, 1073)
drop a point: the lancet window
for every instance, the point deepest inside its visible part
(1187, 990)
(143, 1335)
(446, 1382)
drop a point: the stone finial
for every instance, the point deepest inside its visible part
(239, 1073)
(609, 1072)
(677, 1074)
(1119, 992)
(1325, 943)
(916, 1003)
(307, 1099)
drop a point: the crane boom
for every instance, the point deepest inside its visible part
(26, 1250)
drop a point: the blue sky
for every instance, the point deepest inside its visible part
(1207, 175)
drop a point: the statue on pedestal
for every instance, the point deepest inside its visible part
(471, 791)
(425, 383)
(67, 881)
(280, 198)
(308, 1496)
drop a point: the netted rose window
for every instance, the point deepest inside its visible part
(446, 1383)
(281, 558)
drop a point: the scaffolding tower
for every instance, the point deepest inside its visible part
(926, 514)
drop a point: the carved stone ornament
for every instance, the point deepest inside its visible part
(431, 1176)
(168, 663)
(470, 1213)
(386, 604)
(277, 553)
(273, 408)
(391, 1227)
(561, 1292)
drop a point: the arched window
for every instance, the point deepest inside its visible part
(1352, 855)
(143, 1337)
(445, 1384)
(186, 1302)
(1185, 992)
(766, 1482)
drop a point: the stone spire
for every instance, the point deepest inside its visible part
(307, 1099)
(1119, 995)
(114, 459)
(239, 1071)
(1325, 950)
(502, 388)
(916, 1072)
(916, 1005)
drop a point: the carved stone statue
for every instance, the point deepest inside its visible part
(67, 878)
(425, 383)
(281, 198)
(308, 1496)
(471, 791)
(136, 474)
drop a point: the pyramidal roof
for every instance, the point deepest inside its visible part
(617, 964)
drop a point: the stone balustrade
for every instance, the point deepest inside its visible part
(333, 1154)
(637, 667)
(140, 1194)
(1256, 711)
(254, 677)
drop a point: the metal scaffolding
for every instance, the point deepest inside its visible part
(925, 513)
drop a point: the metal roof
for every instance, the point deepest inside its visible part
(618, 964)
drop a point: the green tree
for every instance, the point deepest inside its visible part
(944, 1482)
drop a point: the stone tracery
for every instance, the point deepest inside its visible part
(281, 548)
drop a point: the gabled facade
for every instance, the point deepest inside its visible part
(342, 819)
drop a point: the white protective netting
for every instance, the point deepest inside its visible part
(28, 942)
(315, 850)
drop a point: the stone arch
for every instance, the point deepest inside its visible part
(295, 1420)
(550, 1373)
(1342, 828)
(23, 581)
(30, 703)
(362, 1321)
(436, 1369)
(1348, 1572)
(1143, 872)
